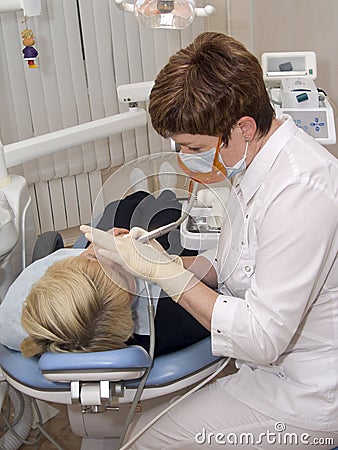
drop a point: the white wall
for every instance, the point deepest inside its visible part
(288, 25)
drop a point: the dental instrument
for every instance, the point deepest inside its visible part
(171, 226)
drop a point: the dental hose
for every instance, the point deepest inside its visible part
(175, 403)
(19, 429)
(151, 317)
(145, 238)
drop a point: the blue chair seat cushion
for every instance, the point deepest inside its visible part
(166, 368)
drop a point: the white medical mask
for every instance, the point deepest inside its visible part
(240, 165)
(205, 167)
(203, 162)
(200, 162)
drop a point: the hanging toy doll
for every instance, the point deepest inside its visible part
(29, 52)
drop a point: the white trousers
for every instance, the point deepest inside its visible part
(212, 419)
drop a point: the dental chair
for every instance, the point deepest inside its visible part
(103, 390)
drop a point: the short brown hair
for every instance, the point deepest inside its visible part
(207, 87)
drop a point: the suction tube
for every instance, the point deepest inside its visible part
(13, 439)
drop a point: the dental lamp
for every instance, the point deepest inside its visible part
(166, 14)
(30, 7)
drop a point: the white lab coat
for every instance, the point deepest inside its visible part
(277, 312)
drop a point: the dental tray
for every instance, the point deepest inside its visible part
(202, 224)
(200, 231)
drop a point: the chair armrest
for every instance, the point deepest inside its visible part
(47, 243)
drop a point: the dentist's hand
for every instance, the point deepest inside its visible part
(137, 232)
(142, 260)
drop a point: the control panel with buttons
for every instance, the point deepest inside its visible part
(317, 122)
(289, 79)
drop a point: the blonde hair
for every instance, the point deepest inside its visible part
(75, 307)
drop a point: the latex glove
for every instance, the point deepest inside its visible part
(141, 260)
(137, 232)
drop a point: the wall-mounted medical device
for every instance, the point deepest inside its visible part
(277, 66)
(30, 7)
(165, 14)
(289, 77)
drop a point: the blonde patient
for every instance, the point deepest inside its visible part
(67, 301)
(76, 307)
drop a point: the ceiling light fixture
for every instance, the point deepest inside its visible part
(165, 14)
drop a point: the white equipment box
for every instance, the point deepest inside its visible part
(200, 231)
(289, 77)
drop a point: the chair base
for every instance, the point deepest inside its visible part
(99, 444)
(110, 424)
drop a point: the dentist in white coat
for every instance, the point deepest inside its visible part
(269, 292)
